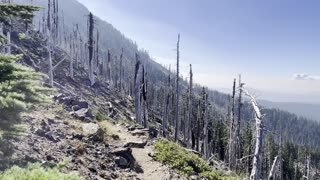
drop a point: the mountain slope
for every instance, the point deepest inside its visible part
(276, 121)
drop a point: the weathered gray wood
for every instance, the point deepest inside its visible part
(256, 167)
(177, 115)
(273, 168)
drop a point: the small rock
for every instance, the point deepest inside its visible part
(150, 154)
(82, 114)
(114, 175)
(103, 166)
(92, 169)
(77, 136)
(80, 104)
(153, 132)
(115, 137)
(139, 133)
(131, 128)
(135, 144)
(169, 176)
(50, 158)
(194, 177)
(93, 132)
(122, 162)
(40, 132)
(50, 135)
(51, 121)
(75, 108)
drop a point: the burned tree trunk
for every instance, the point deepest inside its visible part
(109, 69)
(120, 77)
(190, 100)
(167, 104)
(256, 168)
(232, 156)
(50, 58)
(72, 52)
(137, 91)
(90, 48)
(49, 46)
(205, 128)
(177, 118)
(98, 64)
(198, 136)
(238, 140)
(144, 98)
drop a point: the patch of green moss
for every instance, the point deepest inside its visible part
(187, 163)
(99, 116)
(37, 172)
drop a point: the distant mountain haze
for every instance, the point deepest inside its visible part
(310, 111)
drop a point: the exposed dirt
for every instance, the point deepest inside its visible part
(151, 169)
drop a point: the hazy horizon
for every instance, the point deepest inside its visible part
(272, 44)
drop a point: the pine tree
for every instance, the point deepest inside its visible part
(8, 12)
(20, 87)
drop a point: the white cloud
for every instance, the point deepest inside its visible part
(303, 76)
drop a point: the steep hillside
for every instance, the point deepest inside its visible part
(73, 14)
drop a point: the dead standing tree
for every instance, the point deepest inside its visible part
(90, 48)
(177, 118)
(205, 128)
(273, 168)
(136, 85)
(232, 155)
(190, 114)
(49, 45)
(238, 140)
(144, 97)
(256, 167)
(121, 71)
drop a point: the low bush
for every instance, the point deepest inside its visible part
(187, 163)
(37, 172)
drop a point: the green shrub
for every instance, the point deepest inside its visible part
(22, 36)
(99, 116)
(178, 158)
(36, 172)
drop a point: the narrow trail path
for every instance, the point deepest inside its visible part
(152, 170)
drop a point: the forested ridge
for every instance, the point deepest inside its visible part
(79, 47)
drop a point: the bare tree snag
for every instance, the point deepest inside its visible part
(177, 118)
(109, 68)
(205, 128)
(308, 168)
(144, 98)
(190, 100)
(238, 141)
(232, 156)
(90, 48)
(137, 91)
(256, 168)
(49, 58)
(273, 168)
(121, 73)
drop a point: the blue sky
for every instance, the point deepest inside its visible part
(274, 44)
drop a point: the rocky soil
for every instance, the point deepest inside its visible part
(66, 132)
